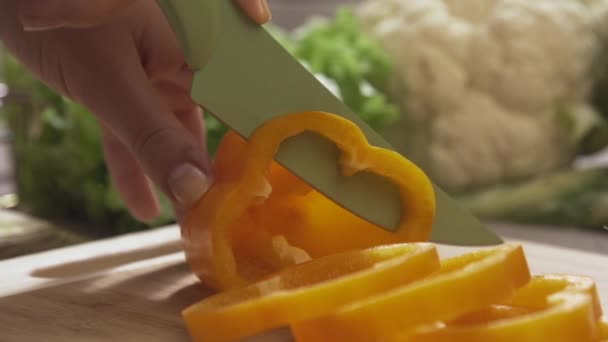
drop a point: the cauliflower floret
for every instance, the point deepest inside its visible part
(531, 54)
(487, 81)
(437, 64)
(466, 147)
(473, 11)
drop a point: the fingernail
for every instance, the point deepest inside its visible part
(264, 10)
(188, 184)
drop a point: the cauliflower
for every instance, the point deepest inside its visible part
(497, 90)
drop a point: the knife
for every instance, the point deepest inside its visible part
(244, 77)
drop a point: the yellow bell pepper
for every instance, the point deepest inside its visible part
(257, 218)
(308, 290)
(464, 284)
(286, 255)
(552, 308)
(537, 294)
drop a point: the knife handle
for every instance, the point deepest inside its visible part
(203, 26)
(196, 24)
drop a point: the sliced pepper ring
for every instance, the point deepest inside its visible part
(550, 308)
(417, 195)
(308, 290)
(464, 284)
(206, 228)
(537, 293)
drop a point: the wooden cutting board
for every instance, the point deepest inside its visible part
(142, 301)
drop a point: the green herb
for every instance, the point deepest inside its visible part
(61, 172)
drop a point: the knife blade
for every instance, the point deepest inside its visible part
(244, 77)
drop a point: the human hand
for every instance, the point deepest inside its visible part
(120, 59)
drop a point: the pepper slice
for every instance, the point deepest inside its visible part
(550, 308)
(308, 290)
(537, 294)
(231, 235)
(464, 284)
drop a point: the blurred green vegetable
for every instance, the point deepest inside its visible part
(570, 197)
(215, 132)
(61, 173)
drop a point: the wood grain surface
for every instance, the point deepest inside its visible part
(142, 301)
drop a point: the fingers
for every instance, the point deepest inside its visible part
(50, 14)
(193, 121)
(113, 84)
(129, 179)
(258, 10)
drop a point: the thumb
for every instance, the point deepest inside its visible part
(39, 15)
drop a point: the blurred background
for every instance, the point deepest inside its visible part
(504, 103)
